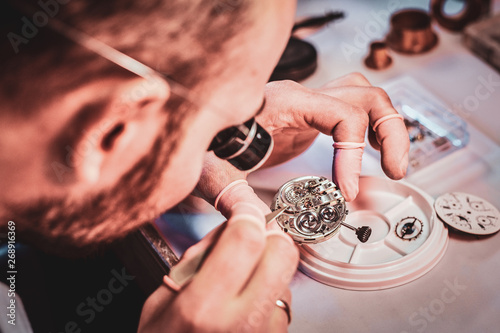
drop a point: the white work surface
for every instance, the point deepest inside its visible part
(460, 294)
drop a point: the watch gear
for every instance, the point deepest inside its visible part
(409, 228)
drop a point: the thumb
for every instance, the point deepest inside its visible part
(347, 168)
(240, 193)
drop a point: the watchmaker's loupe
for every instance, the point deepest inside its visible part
(246, 146)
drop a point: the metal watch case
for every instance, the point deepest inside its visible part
(315, 209)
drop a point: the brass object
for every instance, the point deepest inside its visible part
(379, 57)
(411, 32)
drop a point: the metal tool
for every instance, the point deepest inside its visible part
(363, 232)
(275, 214)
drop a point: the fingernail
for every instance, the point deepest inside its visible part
(404, 164)
(350, 191)
(351, 195)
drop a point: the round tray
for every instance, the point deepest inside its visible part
(390, 257)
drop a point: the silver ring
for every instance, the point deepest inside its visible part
(284, 305)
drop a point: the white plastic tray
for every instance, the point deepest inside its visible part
(386, 260)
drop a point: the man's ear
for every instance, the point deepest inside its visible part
(126, 131)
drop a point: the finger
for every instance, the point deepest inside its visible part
(274, 271)
(262, 315)
(346, 171)
(216, 174)
(192, 260)
(391, 135)
(394, 146)
(155, 305)
(204, 244)
(373, 101)
(160, 297)
(194, 257)
(234, 256)
(344, 122)
(347, 162)
(351, 79)
(308, 109)
(240, 193)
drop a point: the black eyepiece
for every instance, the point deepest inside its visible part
(246, 146)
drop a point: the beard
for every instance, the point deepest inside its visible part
(68, 228)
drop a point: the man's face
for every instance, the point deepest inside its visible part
(125, 172)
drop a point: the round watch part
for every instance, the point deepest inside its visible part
(307, 223)
(315, 209)
(409, 228)
(468, 213)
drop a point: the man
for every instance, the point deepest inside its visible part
(91, 151)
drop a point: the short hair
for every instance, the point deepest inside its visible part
(177, 37)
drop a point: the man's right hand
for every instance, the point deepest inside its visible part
(237, 286)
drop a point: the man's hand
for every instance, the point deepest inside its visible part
(344, 109)
(216, 175)
(294, 115)
(237, 286)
